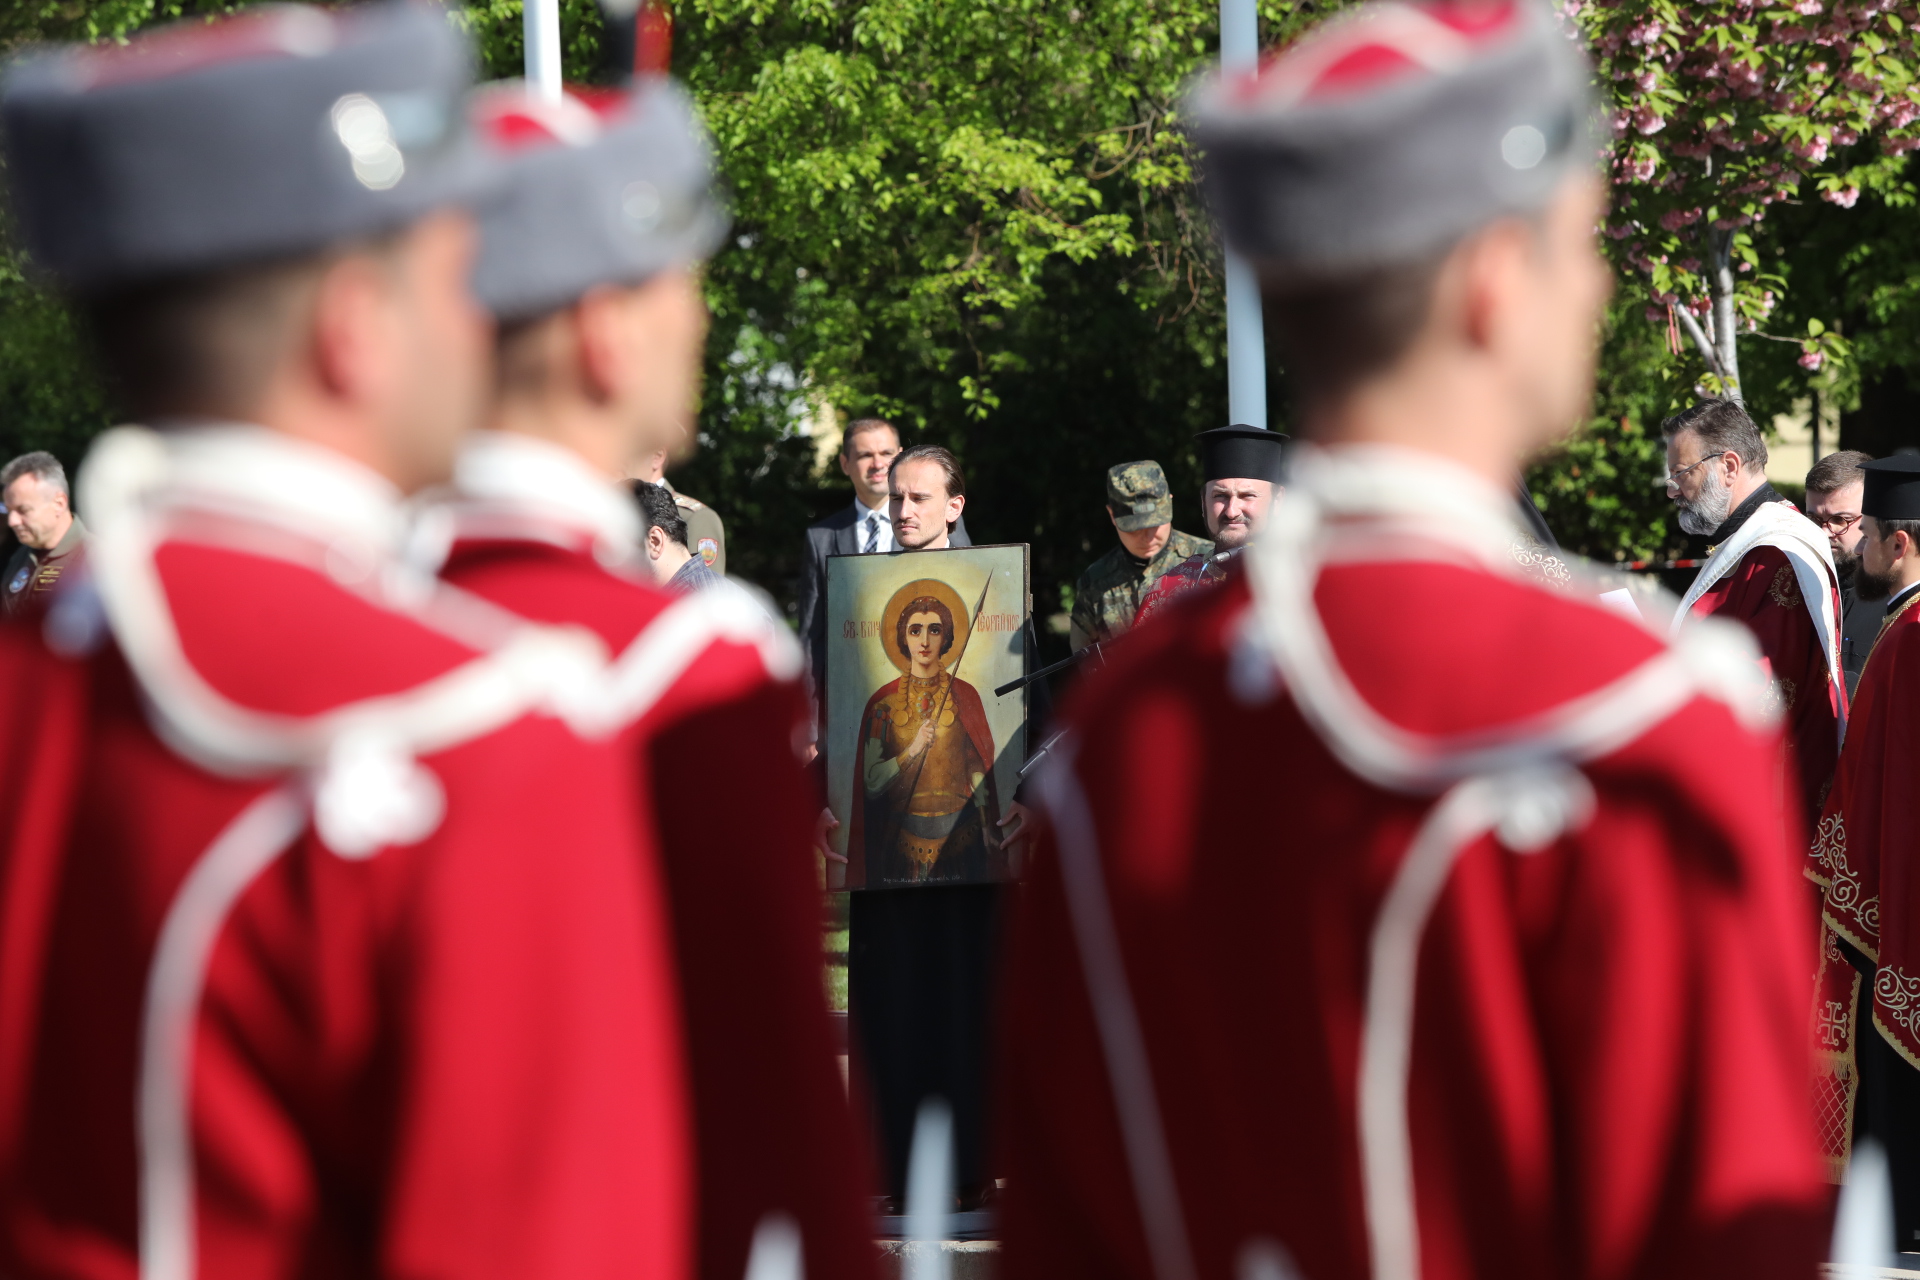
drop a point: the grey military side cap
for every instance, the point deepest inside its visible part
(602, 188)
(1138, 496)
(204, 145)
(1392, 131)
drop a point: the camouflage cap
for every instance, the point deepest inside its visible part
(1137, 495)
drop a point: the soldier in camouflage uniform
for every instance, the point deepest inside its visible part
(1109, 592)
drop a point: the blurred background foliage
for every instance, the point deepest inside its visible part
(976, 217)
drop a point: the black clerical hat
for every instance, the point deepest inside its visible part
(1242, 453)
(1892, 490)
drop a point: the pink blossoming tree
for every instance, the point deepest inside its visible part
(1723, 108)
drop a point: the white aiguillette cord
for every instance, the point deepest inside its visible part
(1519, 783)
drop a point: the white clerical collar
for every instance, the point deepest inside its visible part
(266, 475)
(549, 481)
(1894, 600)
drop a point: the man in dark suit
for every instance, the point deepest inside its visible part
(1834, 490)
(866, 453)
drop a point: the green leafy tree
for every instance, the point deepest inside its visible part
(1723, 109)
(1724, 112)
(978, 219)
(942, 209)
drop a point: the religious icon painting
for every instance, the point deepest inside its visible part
(922, 757)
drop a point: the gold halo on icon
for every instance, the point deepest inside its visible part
(890, 619)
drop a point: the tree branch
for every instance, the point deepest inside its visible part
(1725, 327)
(1700, 340)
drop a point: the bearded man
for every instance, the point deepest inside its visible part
(1834, 488)
(1768, 567)
(1243, 467)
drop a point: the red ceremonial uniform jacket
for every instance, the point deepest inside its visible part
(706, 704)
(1865, 858)
(1763, 591)
(324, 948)
(1463, 948)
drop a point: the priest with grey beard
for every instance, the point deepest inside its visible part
(1769, 568)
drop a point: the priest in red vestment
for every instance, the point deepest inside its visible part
(1465, 947)
(327, 946)
(1769, 568)
(598, 365)
(1865, 858)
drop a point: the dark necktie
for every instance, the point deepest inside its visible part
(873, 535)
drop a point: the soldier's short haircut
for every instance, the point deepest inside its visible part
(207, 345)
(860, 426)
(1838, 470)
(924, 604)
(522, 361)
(660, 511)
(38, 463)
(1336, 331)
(1723, 426)
(956, 483)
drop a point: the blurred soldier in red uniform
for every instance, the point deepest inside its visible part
(1465, 947)
(1768, 567)
(1865, 855)
(589, 260)
(326, 946)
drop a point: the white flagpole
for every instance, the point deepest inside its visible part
(1246, 343)
(542, 19)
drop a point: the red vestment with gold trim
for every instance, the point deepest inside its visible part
(1270, 997)
(1865, 858)
(1762, 593)
(324, 948)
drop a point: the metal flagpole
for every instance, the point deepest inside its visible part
(542, 19)
(1246, 343)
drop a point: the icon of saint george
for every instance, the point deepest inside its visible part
(923, 769)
